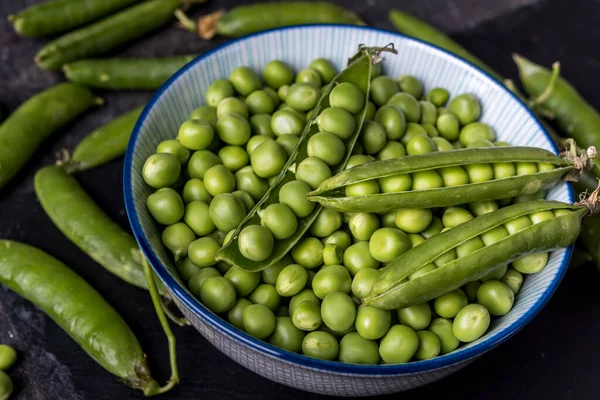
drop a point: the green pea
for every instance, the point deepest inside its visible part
(268, 159)
(219, 179)
(235, 315)
(234, 157)
(338, 121)
(288, 142)
(391, 149)
(422, 271)
(327, 147)
(545, 167)
(358, 257)
(302, 96)
(269, 275)
(495, 274)
(432, 132)
(166, 206)
(205, 113)
(243, 281)
(371, 322)
(373, 137)
(517, 224)
(479, 172)
(531, 264)
(469, 247)
(354, 349)
(331, 279)
(466, 107)
(304, 295)
(286, 336)
(217, 294)
(286, 122)
(496, 296)
(8, 356)
(429, 345)
(196, 281)
(408, 104)
(363, 282)
(259, 102)
(526, 168)
(470, 290)
(413, 220)
(449, 304)
(197, 217)
(471, 323)
(494, 235)
(307, 316)
(417, 317)
(362, 188)
(272, 93)
(442, 144)
(415, 239)
(338, 238)
(382, 88)
(313, 171)
(479, 208)
(244, 80)
(283, 91)
(327, 222)
(513, 279)
(420, 144)
(308, 252)
(448, 126)
(202, 251)
(177, 238)
(319, 344)
(387, 244)
(200, 162)
(358, 159)
(6, 386)
(256, 242)
(393, 121)
(429, 179)
(442, 328)
(293, 194)
(280, 220)
(338, 311)
(348, 96)
(388, 220)
(445, 258)
(259, 321)
(411, 85)
(363, 225)
(291, 280)
(161, 170)
(174, 147)
(332, 254)
(276, 74)
(438, 96)
(186, 268)
(369, 112)
(504, 170)
(325, 69)
(454, 216)
(217, 91)
(260, 125)
(233, 129)
(226, 212)
(453, 176)
(398, 345)
(266, 295)
(428, 113)
(475, 132)
(232, 105)
(309, 75)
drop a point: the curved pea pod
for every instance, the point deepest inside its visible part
(332, 192)
(105, 143)
(392, 289)
(246, 19)
(77, 216)
(357, 73)
(26, 128)
(78, 309)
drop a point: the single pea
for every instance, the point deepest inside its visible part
(420, 144)
(8, 356)
(161, 170)
(357, 257)
(338, 121)
(429, 345)
(217, 91)
(338, 311)
(256, 242)
(469, 246)
(260, 125)
(354, 349)
(454, 216)
(327, 222)
(382, 88)
(174, 147)
(186, 268)
(243, 281)
(197, 217)
(327, 147)
(205, 113)
(504, 170)
(333, 278)
(285, 122)
(6, 386)
(235, 315)
(259, 102)
(304, 295)
(276, 74)
(470, 290)
(449, 304)
(453, 176)
(195, 283)
(286, 336)
(408, 104)
(202, 251)
(291, 280)
(466, 107)
(526, 168)
(233, 129)
(412, 130)
(234, 157)
(442, 328)
(417, 317)
(371, 322)
(339, 238)
(266, 295)
(373, 137)
(369, 111)
(393, 121)
(422, 271)
(411, 85)
(248, 181)
(517, 224)
(513, 279)
(479, 172)
(217, 294)
(307, 316)
(422, 180)
(363, 282)
(438, 96)
(272, 93)
(471, 323)
(362, 188)
(177, 238)
(232, 105)
(531, 264)
(313, 171)
(358, 159)
(288, 142)
(244, 80)
(428, 113)
(496, 296)
(415, 239)
(200, 162)
(494, 235)
(308, 252)
(388, 220)
(398, 345)
(479, 208)
(348, 96)
(309, 75)
(283, 91)
(442, 144)
(363, 225)
(219, 179)
(325, 69)
(432, 132)
(391, 149)
(545, 167)
(226, 212)
(258, 321)
(269, 275)
(475, 132)
(332, 254)
(268, 159)
(413, 220)
(445, 258)
(302, 96)
(280, 220)
(387, 244)
(166, 206)
(293, 195)
(322, 345)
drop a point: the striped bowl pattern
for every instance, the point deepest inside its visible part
(298, 46)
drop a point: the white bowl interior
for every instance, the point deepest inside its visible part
(298, 46)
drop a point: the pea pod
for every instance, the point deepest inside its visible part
(56, 16)
(106, 34)
(332, 192)
(78, 309)
(357, 73)
(125, 73)
(590, 234)
(246, 19)
(24, 130)
(392, 290)
(105, 143)
(77, 216)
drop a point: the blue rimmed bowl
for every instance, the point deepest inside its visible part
(298, 46)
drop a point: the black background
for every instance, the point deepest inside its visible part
(555, 357)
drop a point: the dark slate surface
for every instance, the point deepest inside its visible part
(555, 357)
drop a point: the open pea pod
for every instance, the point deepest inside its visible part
(358, 73)
(394, 288)
(332, 192)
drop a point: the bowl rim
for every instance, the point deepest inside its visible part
(220, 324)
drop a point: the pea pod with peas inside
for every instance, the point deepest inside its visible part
(357, 74)
(447, 178)
(394, 288)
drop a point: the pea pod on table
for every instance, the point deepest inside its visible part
(26, 128)
(435, 178)
(357, 74)
(246, 19)
(52, 17)
(394, 289)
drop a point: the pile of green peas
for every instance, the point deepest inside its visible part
(230, 150)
